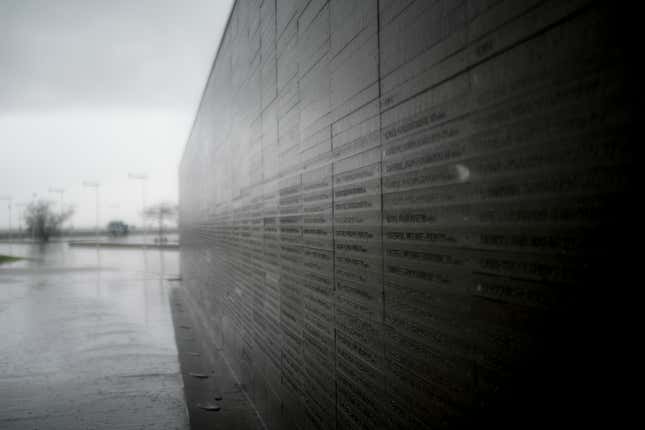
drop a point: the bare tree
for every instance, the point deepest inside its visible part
(161, 212)
(42, 221)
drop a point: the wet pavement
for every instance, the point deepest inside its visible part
(87, 340)
(214, 396)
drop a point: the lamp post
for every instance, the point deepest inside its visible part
(9, 199)
(143, 178)
(33, 224)
(60, 192)
(95, 185)
(21, 207)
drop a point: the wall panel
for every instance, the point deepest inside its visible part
(394, 213)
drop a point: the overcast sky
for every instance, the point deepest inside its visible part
(95, 89)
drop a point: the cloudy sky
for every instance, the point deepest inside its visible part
(91, 90)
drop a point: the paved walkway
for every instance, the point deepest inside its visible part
(214, 397)
(87, 342)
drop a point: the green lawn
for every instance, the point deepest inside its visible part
(8, 259)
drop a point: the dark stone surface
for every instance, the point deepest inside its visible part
(214, 399)
(412, 214)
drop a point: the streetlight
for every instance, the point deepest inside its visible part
(33, 224)
(21, 206)
(60, 192)
(8, 198)
(143, 178)
(95, 185)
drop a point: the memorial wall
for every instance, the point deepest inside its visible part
(393, 213)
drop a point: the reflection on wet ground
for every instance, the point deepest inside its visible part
(87, 340)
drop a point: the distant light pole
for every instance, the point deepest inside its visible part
(9, 199)
(33, 224)
(60, 192)
(20, 215)
(95, 185)
(143, 178)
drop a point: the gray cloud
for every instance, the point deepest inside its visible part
(93, 89)
(83, 53)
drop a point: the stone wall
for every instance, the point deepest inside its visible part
(393, 213)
